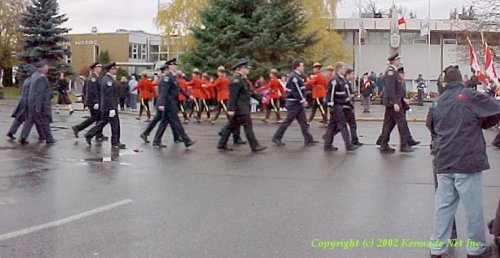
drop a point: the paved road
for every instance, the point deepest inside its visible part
(202, 203)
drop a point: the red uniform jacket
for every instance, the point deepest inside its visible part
(222, 86)
(209, 92)
(276, 91)
(183, 84)
(196, 89)
(146, 89)
(319, 85)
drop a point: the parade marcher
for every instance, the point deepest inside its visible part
(239, 109)
(350, 114)
(62, 90)
(221, 84)
(366, 93)
(339, 99)
(92, 100)
(197, 93)
(456, 121)
(39, 105)
(318, 84)
(183, 103)
(207, 95)
(329, 74)
(295, 103)
(276, 92)
(168, 104)
(109, 108)
(146, 93)
(20, 113)
(420, 90)
(133, 93)
(394, 113)
(123, 92)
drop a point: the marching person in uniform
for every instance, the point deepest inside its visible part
(183, 103)
(109, 108)
(457, 120)
(394, 114)
(295, 103)
(39, 105)
(197, 93)
(20, 113)
(276, 93)
(147, 92)
(239, 109)
(92, 100)
(350, 113)
(168, 104)
(318, 84)
(339, 99)
(221, 84)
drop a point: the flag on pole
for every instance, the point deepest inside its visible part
(489, 65)
(474, 64)
(401, 19)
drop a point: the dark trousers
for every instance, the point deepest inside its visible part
(350, 116)
(199, 106)
(318, 103)
(183, 107)
(122, 103)
(145, 106)
(115, 127)
(420, 97)
(234, 124)
(153, 123)
(171, 117)
(95, 117)
(42, 124)
(391, 119)
(337, 123)
(221, 105)
(295, 111)
(19, 120)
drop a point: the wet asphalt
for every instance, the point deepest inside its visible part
(199, 202)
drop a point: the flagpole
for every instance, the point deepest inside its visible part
(359, 48)
(429, 47)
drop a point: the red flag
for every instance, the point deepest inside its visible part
(474, 64)
(401, 19)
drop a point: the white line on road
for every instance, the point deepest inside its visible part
(63, 221)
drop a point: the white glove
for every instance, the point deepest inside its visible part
(112, 113)
(330, 104)
(96, 106)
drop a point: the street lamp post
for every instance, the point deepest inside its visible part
(94, 43)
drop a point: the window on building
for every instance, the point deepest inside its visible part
(144, 52)
(133, 51)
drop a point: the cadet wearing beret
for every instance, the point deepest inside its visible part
(109, 108)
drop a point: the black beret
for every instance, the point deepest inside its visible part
(110, 65)
(240, 64)
(41, 63)
(394, 57)
(171, 62)
(31, 68)
(94, 65)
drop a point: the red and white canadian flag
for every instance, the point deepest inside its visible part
(489, 65)
(474, 64)
(401, 19)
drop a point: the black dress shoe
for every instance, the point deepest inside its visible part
(177, 141)
(120, 146)
(75, 131)
(387, 150)
(189, 143)
(406, 149)
(330, 148)
(11, 136)
(496, 144)
(259, 148)
(224, 148)
(23, 142)
(358, 143)
(144, 138)
(102, 138)
(413, 143)
(352, 147)
(311, 143)
(278, 142)
(50, 141)
(88, 140)
(159, 145)
(71, 112)
(239, 142)
(379, 142)
(40, 140)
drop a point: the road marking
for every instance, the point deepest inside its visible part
(63, 221)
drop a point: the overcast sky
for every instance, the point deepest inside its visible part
(111, 15)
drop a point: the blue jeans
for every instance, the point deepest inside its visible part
(452, 188)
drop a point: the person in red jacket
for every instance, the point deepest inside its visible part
(182, 99)
(329, 74)
(276, 92)
(197, 93)
(318, 84)
(207, 95)
(146, 93)
(222, 87)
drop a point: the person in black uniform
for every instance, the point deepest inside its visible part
(239, 109)
(295, 103)
(339, 100)
(109, 108)
(39, 105)
(158, 115)
(394, 101)
(350, 113)
(92, 99)
(168, 103)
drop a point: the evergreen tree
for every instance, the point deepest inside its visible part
(43, 38)
(267, 33)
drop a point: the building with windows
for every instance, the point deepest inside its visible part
(448, 45)
(134, 51)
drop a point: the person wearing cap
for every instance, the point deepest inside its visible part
(393, 100)
(197, 92)
(295, 103)
(168, 106)
(92, 99)
(456, 121)
(39, 105)
(109, 108)
(276, 92)
(146, 93)
(238, 107)
(339, 99)
(20, 113)
(183, 103)
(206, 96)
(366, 93)
(318, 84)
(329, 73)
(350, 113)
(221, 84)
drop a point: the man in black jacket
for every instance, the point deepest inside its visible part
(238, 109)
(456, 121)
(109, 108)
(295, 99)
